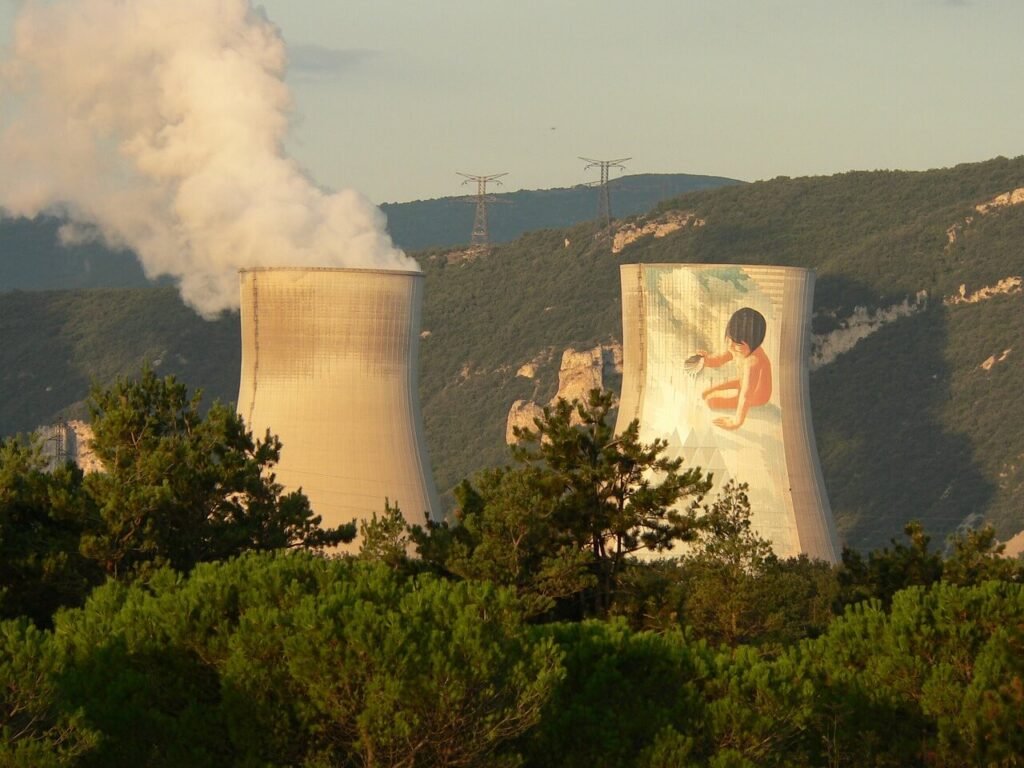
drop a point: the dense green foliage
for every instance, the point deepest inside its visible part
(297, 660)
(57, 345)
(936, 681)
(723, 656)
(182, 487)
(42, 518)
(177, 488)
(908, 425)
(37, 727)
(285, 660)
(566, 521)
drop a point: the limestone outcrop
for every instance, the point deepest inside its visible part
(69, 441)
(579, 372)
(1014, 197)
(1005, 287)
(993, 360)
(521, 414)
(826, 347)
(662, 225)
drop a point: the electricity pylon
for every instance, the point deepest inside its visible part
(480, 239)
(604, 205)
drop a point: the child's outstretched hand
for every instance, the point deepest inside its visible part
(727, 422)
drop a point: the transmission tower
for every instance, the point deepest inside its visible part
(604, 205)
(480, 239)
(57, 434)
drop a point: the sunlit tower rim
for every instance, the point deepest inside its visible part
(480, 237)
(678, 361)
(330, 365)
(604, 205)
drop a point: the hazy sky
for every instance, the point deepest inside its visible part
(393, 97)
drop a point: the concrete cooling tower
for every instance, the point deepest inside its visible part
(329, 364)
(716, 363)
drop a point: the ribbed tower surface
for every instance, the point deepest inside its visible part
(670, 312)
(329, 364)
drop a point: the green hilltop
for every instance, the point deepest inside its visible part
(908, 423)
(448, 221)
(32, 257)
(920, 419)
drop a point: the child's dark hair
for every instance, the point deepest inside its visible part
(746, 326)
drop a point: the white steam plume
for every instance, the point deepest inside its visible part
(159, 125)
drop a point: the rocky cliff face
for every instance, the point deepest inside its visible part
(69, 441)
(601, 367)
(1005, 287)
(579, 372)
(1014, 197)
(658, 226)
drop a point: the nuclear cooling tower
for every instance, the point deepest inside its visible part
(716, 363)
(329, 364)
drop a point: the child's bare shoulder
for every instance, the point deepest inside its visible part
(756, 359)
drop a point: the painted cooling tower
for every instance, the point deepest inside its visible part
(716, 363)
(329, 364)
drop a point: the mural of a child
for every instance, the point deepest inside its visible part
(743, 337)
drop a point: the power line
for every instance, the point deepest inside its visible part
(604, 205)
(480, 239)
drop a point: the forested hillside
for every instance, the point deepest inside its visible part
(174, 608)
(58, 343)
(32, 256)
(908, 422)
(448, 221)
(916, 420)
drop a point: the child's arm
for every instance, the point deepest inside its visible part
(732, 384)
(743, 400)
(714, 361)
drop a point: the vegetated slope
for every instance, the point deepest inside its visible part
(918, 419)
(33, 259)
(908, 423)
(57, 343)
(449, 221)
